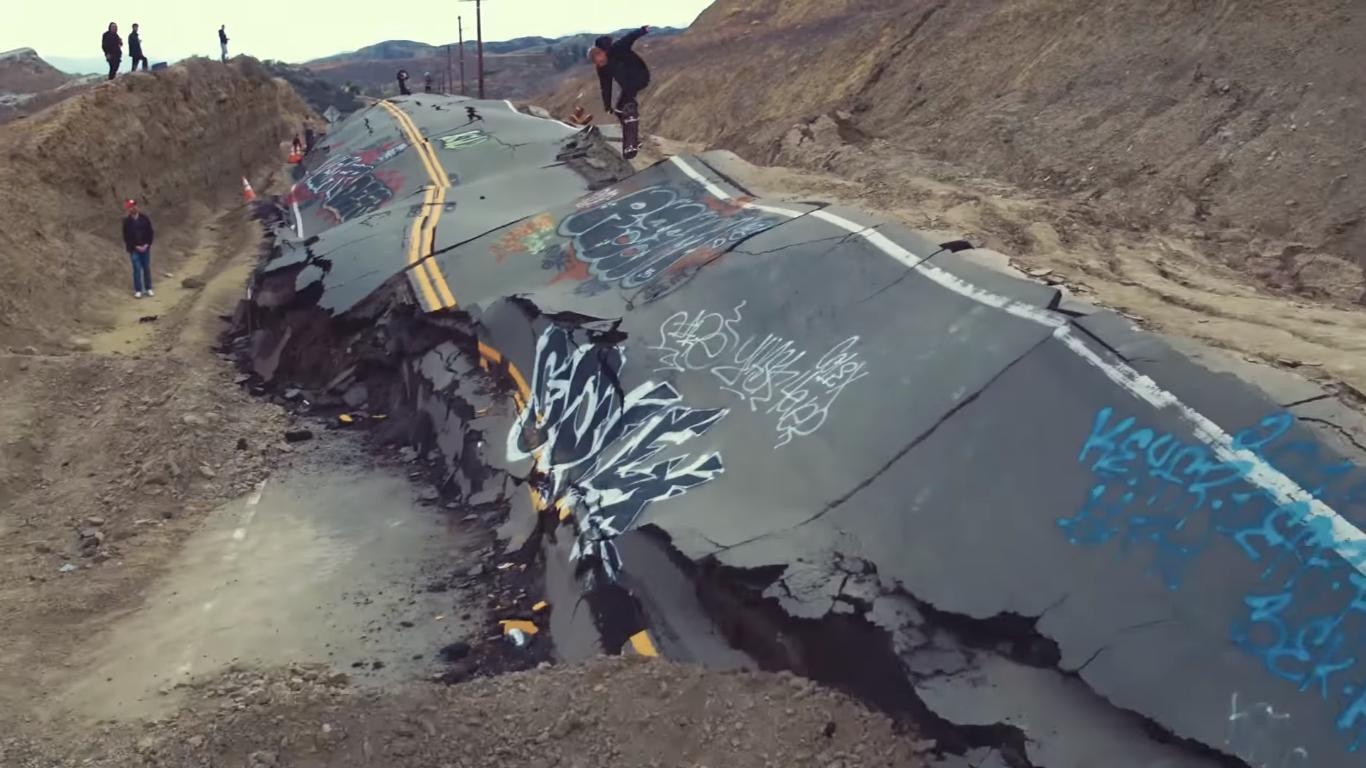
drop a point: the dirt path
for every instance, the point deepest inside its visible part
(110, 457)
(1191, 287)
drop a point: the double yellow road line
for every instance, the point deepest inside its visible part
(433, 289)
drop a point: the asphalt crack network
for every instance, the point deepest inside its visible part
(910, 446)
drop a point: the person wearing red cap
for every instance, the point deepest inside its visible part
(137, 238)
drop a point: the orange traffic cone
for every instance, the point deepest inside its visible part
(248, 194)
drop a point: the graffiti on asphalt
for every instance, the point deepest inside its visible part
(1173, 500)
(530, 236)
(657, 236)
(347, 185)
(604, 452)
(1258, 735)
(463, 139)
(771, 374)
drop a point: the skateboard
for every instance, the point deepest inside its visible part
(630, 129)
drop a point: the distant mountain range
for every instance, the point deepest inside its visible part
(28, 83)
(512, 68)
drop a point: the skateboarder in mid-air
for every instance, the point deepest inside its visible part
(616, 61)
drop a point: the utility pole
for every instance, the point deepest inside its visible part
(446, 81)
(461, 21)
(479, 37)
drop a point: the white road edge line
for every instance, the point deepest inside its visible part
(1348, 540)
(298, 220)
(517, 111)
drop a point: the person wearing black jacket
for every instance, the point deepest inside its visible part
(112, 45)
(135, 50)
(137, 238)
(616, 61)
(223, 41)
(403, 83)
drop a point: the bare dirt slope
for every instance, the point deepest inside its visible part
(179, 140)
(1236, 124)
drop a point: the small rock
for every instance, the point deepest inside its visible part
(454, 652)
(94, 521)
(207, 472)
(428, 494)
(1042, 272)
(193, 420)
(1288, 363)
(66, 568)
(82, 344)
(241, 443)
(476, 571)
(407, 454)
(298, 435)
(195, 742)
(191, 283)
(293, 393)
(265, 759)
(42, 548)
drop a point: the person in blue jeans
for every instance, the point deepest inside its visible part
(137, 238)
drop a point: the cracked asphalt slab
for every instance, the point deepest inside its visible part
(734, 432)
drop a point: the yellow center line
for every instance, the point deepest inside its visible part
(414, 244)
(441, 180)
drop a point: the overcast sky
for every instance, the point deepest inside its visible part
(298, 31)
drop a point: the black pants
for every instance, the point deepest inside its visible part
(136, 58)
(114, 67)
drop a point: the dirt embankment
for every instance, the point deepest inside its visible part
(1240, 123)
(179, 140)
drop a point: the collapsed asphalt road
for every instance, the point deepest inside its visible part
(732, 432)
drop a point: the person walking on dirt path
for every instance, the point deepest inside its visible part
(112, 45)
(403, 83)
(137, 238)
(223, 41)
(616, 60)
(309, 137)
(135, 50)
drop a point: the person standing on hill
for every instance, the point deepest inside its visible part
(426, 82)
(137, 238)
(223, 41)
(403, 83)
(616, 60)
(135, 50)
(112, 45)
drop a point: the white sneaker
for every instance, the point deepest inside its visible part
(137, 294)
(150, 292)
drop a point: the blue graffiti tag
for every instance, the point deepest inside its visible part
(1171, 500)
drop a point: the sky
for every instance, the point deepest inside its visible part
(271, 29)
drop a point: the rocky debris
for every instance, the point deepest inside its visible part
(82, 344)
(607, 712)
(191, 283)
(298, 435)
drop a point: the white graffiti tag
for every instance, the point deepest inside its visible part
(766, 372)
(1257, 735)
(597, 448)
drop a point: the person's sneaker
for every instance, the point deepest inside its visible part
(150, 292)
(137, 294)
